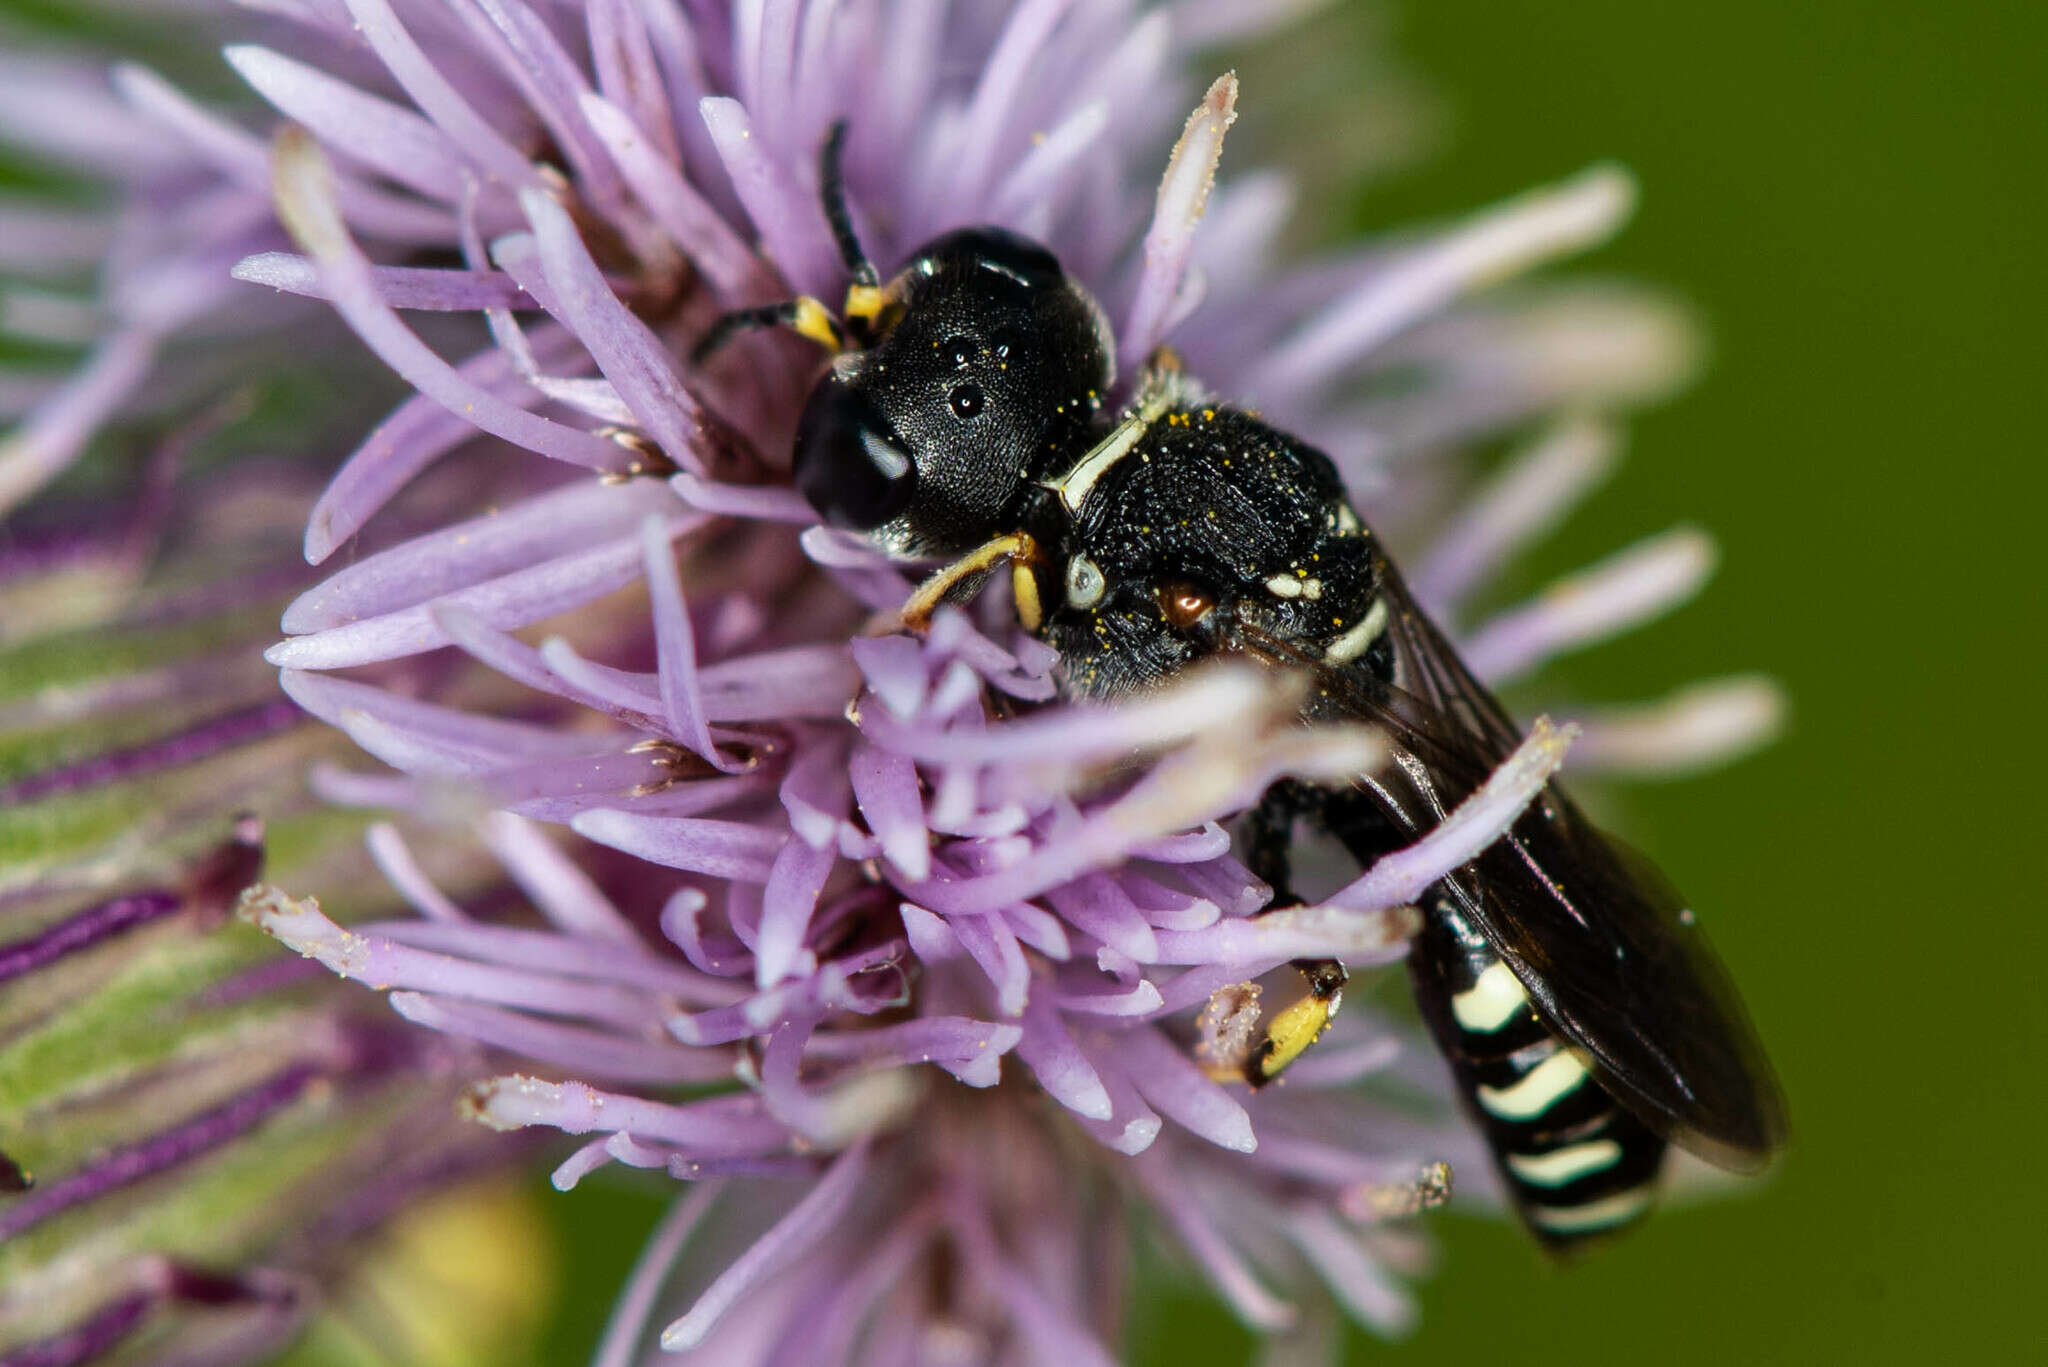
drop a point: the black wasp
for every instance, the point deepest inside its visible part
(1587, 1021)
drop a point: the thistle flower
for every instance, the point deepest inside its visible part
(905, 972)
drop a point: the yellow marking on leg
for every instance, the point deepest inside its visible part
(1534, 1094)
(1017, 546)
(815, 321)
(1024, 592)
(864, 302)
(1293, 1030)
(1568, 1164)
(1596, 1215)
(1491, 1001)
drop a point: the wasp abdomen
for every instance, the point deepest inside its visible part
(1574, 1161)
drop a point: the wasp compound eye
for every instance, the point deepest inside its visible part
(849, 462)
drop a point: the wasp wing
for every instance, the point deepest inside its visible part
(1603, 944)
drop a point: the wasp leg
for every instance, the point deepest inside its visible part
(1294, 1028)
(1269, 831)
(1018, 549)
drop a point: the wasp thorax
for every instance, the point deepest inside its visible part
(990, 367)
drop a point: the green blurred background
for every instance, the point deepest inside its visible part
(1851, 196)
(1848, 194)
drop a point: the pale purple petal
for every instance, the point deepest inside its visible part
(306, 202)
(991, 945)
(885, 785)
(972, 164)
(55, 430)
(1054, 1334)
(1183, 197)
(1320, 932)
(1169, 1080)
(628, 1322)
(722, 849)
(601, 1054)
(1211, 1247)
(807, 1222)
(1039, 176)
(1631, 587)
(788, 219)
(1058, 1063)
(553, 84)
(418, 432)
(402, 287)
(767, 503)
(1699, 726)
(628, 352)
(1039, 929)
(557, 885)
(929, 1039)
(65, 111)
(244, 159)
(1099, 906)
(867, 981)
(1137, 1001)
(713, 247)
(470, 742)
(1366, 1289)
(390, 139)
(790, 897)
(1525, 502)
(570, 957)
(1132, 1126)
(814, 681)
(580, 1164)
(541, 528)
(1398, 878)
(382, 963)
(513, 600)
(388, 851)
(471, 133)
(717, 1126)
(622, 55)
(1508, 239)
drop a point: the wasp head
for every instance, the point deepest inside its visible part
(988, 367)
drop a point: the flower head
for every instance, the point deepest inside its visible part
(910, 974)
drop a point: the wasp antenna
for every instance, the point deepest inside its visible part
(832, 184)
